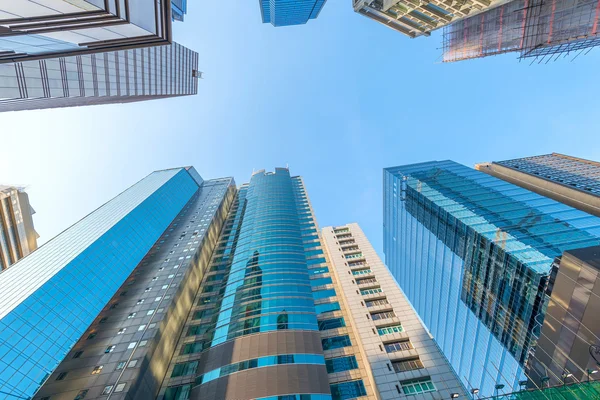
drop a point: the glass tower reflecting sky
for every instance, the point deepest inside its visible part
(50, 297)
(473, 254)
(290, 12)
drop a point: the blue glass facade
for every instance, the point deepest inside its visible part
(54, 294)
(268, 287)
(290, 12)
(473, 254)
(178, 9)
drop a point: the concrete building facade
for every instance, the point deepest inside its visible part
(402, 357)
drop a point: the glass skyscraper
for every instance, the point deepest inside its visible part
(474, 255)
(50, 297)
(290, 12)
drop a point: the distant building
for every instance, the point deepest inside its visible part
(402, 356)
(18, 237)
(62, 53)
(290, 12)
(569, 180)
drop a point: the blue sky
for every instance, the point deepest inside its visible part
(337, 100)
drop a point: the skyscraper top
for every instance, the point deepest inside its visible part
(290, 12)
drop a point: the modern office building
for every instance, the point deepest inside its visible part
(290, 12)
(61, 53)
(105, 78)
(568, 348)
(18, 237)
(415, 18)
(570, 180)
(50, 298)
(474, 255)
(402, 357)
(268, 322)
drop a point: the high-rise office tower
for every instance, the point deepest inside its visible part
(535, 28)
(268, 322)
(474, 255)
(401, 355)
(18, 237)
(52, 296)
(570, 180)
(290, 12)
(62, 53)
(104, 78)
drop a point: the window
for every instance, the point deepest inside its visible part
(110, 349)
(97, 369)
(120, 387)
(132, 363)
(191, 348)
(131, 345)
(81, 395)
(103, 320)
(320, 281)
(365, 280)
(143, 343)
(140, 301)
(178, 392)
(361, 271)
(332, 323)
(383, 315)
(184, 369)
(408, 364)
(147, 289)
(321, 294)
(131, 315)
(366, 292)
(388, 330)
(378, 302)
(150, 312)
(327, 307)
(91, 336)
(141, 327)
(341, 364)
(348, 390)
(121, 365)
(398, 346)
(61, 376)
(107, 389)
(121, 331)
(78, 354)
(336, 342)
(417, 386)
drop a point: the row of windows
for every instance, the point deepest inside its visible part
(378, 302)
(389, 330)
(348, 390)
(366, 292)
(407, 364)
(398, 346)
(341, 364)
(383, 315)
(417, 386)
(336, 342)
(361, 271)
(327, 307)
(260, 362)
(332, 323)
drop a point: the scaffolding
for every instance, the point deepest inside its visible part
(535, 28)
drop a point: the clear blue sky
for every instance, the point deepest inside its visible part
(337, 99)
